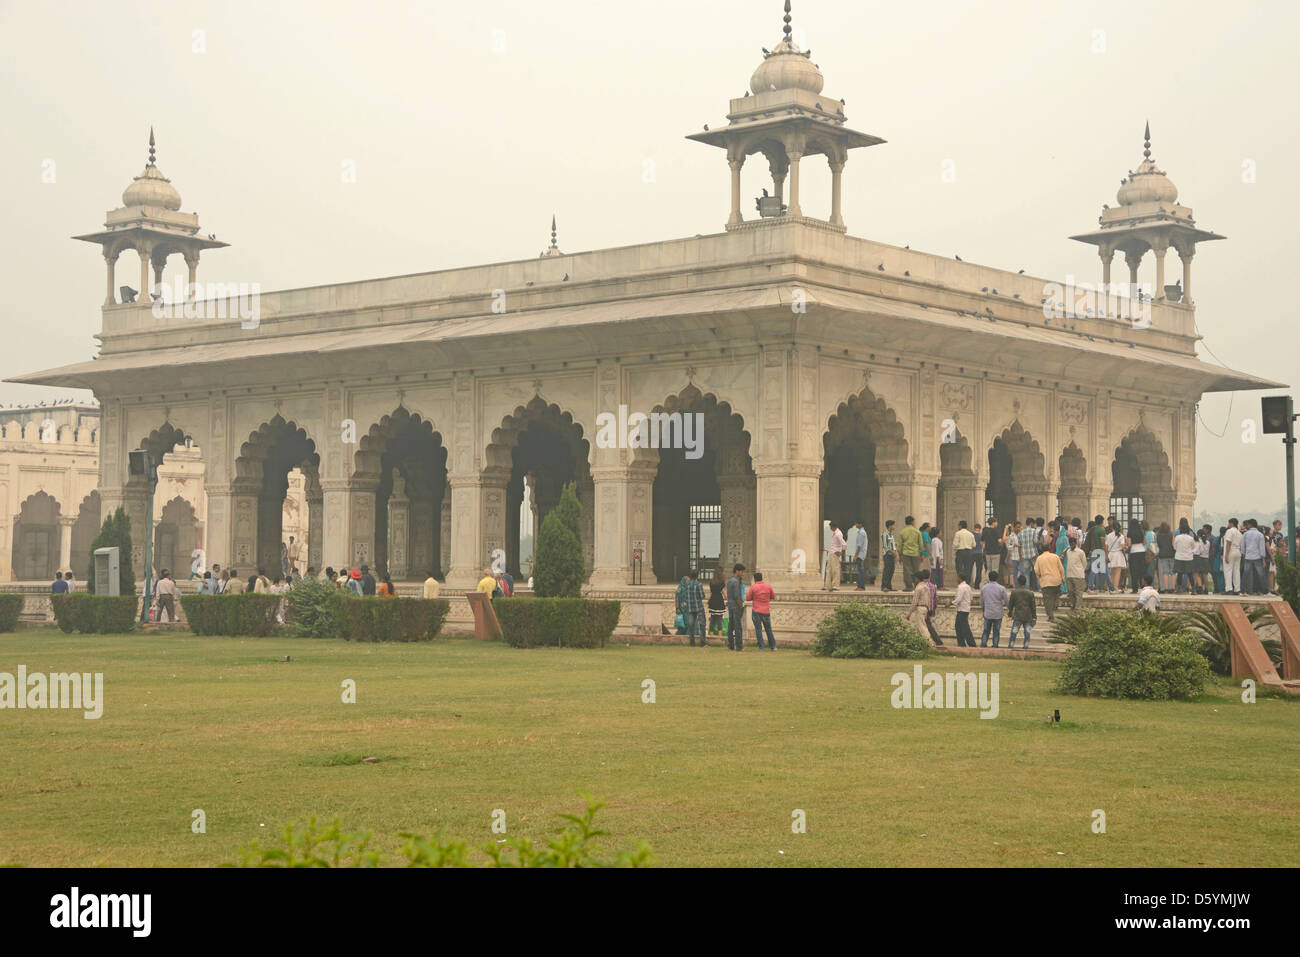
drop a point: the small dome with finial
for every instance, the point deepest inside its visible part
(787, 67)
(553, 249)
(152, 188)
(1147, 184)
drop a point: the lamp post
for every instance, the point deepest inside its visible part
(1279, 418)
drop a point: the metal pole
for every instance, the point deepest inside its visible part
(151, 478)
(1290, 483)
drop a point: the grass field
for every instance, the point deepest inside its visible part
(708, 774)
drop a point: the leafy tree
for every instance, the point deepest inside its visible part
(558, 566)
(115, 532)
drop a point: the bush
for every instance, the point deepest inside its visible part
(1134, 655)
(393, 619)
(574, 845)
(247, 614)
(116, 531)
(558, 565)
(95, 614)
(11, 606)
(542, 622)
(315, 609)
(862, 630)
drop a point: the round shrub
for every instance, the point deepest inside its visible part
(315, 609)
(11, 606)
(862, 630)
(1134, 655)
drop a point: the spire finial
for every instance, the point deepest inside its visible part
(553, 246)
(787, 21)
(1146, 135)
(151, 149)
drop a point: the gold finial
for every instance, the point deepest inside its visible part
(787, 21)
(1146, 152)
(151, 149)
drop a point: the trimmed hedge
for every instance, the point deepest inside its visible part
(11, 606)
(1134, 655)
(393, 619)
(247, 614)
(533, 622)
(95, 614)
(868, 630)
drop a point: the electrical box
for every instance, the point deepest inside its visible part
(107, 571)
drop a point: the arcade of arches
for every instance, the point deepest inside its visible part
(398, 494)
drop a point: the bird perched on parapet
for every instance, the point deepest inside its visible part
(566, 278)
(746, 94)
(988, 310)
(995, 292)
(1105, 205)
(766, 51)
(907, 272)
(907, 247)
(706, 127)
(1017, 295)
(841, 101)
(529, 283)
(984, 288)
(958, 258)
(1021, 273)
(818, 108)
(881, 267)
(765, 192)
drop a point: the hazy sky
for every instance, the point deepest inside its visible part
(470, 123)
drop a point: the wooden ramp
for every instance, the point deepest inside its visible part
(1288, 625)
(1249, 659)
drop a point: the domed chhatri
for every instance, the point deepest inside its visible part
(152, 188)
(1147, 184)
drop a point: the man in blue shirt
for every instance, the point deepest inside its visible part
(860, 554)
(1253, 550)
(693, 607)
(59, 587)
(993, 603)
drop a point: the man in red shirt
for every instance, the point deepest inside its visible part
(760, 596)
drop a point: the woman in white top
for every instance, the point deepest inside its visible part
(936, 556)
(1116, 546)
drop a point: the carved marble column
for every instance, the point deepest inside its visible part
(788, 537)
(361, 509)
(444, 538)
(315, 528)
(399, 525)
(611, 550)
(65, 541)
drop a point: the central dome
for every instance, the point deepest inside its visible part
(786, 68)
(1147, 185)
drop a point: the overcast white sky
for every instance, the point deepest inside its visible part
(470, 123)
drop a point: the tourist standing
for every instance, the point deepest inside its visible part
(1253, 549)
(1201, 560)
(1051, 576)
(1024, 612)
(1076, 572)
(977, 558)
(1165, 549)
(367, 581)
(1116, 556)
(693, 608)
(1216, 560)
(58, 586)
(925, 597)
(965, 639)
(964, 544)
(166, 592)
(717, 601)
(888, 556)
(1011, 542)
(1137, 554)
(67, 580)
(834, 553)
(859, 557)
(760, 598)
(1030, 538)
(936, 556)
(1232, 558)
(736, 608)
(487, 584)
(909, 550)
(993, 603)
(1184, 552)
(991, 536)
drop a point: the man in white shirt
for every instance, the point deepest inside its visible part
(860, 554)
(964, 543)
(833, 556)
(1076, 573)
(1232, 558)
(965, 639)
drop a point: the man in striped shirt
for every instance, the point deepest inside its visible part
(693, 607)
(1029, 537)
(888, 556)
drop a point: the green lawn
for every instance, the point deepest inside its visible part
(709, 774)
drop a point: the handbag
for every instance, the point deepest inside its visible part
(679, 621)
(1154, 550)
